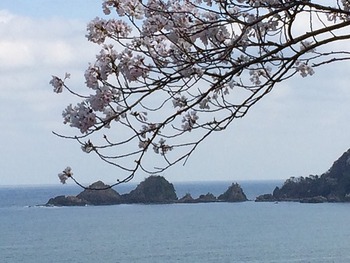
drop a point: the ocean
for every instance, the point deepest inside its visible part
(210, 232)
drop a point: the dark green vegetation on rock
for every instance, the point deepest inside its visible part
(153, 190)
(66, 201)
(332, 186)
(100, 197)
(89, 197)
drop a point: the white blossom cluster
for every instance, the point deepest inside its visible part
(304, 69)
(257, 74)
(343, 14)
(103, 97)
(80, 116)
(57, 83)
(65, 174)
(189, 121)
(161, 147)
(99, 29)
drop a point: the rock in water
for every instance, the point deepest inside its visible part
(187, 198)
(207, 198)
(100, 197)
(93, 196)
(233, 194)
(154, 189)
(66, 201)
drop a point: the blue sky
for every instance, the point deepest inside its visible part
(77, 9)
(299, 129)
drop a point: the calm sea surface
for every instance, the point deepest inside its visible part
(213, 232)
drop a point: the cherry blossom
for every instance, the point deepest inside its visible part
(170, 73)
(80, 116)
(57, 83)
(304, 69)
(189, 121)
(66, 173)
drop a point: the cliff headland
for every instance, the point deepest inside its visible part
(331, 186)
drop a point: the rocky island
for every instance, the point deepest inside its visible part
(331, 186)
(153, 190)
(233, 194)
(89, 197)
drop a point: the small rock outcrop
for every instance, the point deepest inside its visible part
(233, 194)
(66, 201)
(96, 196)
(207, 198)
(153, 190)
(265, 198)
(187, 198)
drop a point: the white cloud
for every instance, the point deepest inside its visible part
(5, 16)
(29, 42)
(31, 50)
(17, 54)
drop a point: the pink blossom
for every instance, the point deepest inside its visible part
(57, 84)
(189, 120)
(80, 116)
(66, 173)
(304, 69)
